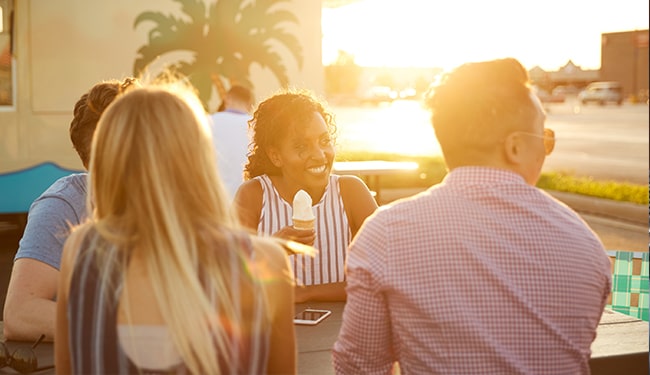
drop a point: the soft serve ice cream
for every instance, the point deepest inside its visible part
(303, 215)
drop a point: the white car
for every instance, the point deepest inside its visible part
(379, 94)
(602, 93)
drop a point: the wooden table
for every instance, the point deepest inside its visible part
(371, 171)
(621, 345)
(44, 355)
(315, 342)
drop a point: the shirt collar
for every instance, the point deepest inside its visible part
(483, 175)
(235, 111)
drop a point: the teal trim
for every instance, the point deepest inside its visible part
(18, 189)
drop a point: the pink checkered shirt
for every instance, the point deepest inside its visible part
(481, 274)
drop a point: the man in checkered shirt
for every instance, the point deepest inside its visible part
(483, 273)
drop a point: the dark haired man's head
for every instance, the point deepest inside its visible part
(88, 110)
(239, 98)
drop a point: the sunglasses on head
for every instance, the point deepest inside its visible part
(548, 137)
(22, 360)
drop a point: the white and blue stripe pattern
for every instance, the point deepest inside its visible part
(333, 233)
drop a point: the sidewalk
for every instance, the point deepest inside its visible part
(621, 211)
(620, 225)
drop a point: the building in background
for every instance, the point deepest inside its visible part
(53, 51)
(571, 76)
(624, 58)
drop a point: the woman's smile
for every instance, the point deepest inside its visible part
(317, 170)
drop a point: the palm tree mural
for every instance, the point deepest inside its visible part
(224, 41)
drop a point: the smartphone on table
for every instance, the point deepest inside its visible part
(311, 317)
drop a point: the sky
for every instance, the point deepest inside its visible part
(447, 33)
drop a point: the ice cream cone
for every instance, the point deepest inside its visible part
(303, 224)
(303, 214)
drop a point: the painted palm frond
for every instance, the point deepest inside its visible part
(171, 33)
(266, 29)
(223, 40)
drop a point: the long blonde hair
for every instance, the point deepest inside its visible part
(154, 190)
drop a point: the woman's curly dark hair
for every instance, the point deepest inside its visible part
(272, 121)
(87, 111)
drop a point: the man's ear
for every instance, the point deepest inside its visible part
(513, 147)
(274, 156)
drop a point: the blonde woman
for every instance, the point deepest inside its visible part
(160, 279)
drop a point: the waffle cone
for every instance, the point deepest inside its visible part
(303, 224)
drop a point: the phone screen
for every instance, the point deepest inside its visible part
(310, 315)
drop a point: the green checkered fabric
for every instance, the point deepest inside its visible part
(630, 283)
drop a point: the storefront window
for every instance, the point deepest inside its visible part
(6, 71)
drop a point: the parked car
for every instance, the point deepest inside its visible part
(602, 93)
(379, 94)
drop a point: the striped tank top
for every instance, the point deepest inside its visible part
(333, 232)
(95, 346)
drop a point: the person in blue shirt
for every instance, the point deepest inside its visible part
(30, 302)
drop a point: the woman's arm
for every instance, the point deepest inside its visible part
(282, 355)
(62, 358)
(358, 201)
(248, 208)
(248, 204)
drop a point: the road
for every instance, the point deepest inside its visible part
(606, 143)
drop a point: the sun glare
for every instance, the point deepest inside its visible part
(450, 32)
(402, 128)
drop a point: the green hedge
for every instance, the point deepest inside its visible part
(618, 191)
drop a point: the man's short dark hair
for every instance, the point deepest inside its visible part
(241, 93)
(87, 112)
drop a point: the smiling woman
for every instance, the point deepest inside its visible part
(448, 33)
(292, 150)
